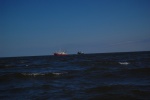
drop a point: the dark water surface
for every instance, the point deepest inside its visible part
(117, 76)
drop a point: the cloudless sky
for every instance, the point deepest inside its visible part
(41, 27)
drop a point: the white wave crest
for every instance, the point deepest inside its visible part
(42, 74)
(124, 63)
(58, 73)
(33, 74)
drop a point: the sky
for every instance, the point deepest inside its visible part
(42, 27)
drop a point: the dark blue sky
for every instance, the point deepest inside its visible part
(41, 27)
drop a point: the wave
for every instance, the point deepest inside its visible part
(43, 74)
(119, 92)
(115, 87)
(9, 76)
(123, 63)
(140, 71)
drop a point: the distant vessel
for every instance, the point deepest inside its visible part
(79, 53)
(60, 53)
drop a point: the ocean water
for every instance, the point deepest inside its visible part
(107, 76)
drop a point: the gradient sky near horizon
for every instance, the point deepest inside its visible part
(41, 27)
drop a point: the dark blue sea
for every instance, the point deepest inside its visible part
(102, 76)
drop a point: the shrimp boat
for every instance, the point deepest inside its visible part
(60, 53)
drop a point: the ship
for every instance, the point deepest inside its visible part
(60, 53)
(80, 53)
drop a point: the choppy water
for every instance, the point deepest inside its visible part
(119, 76)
